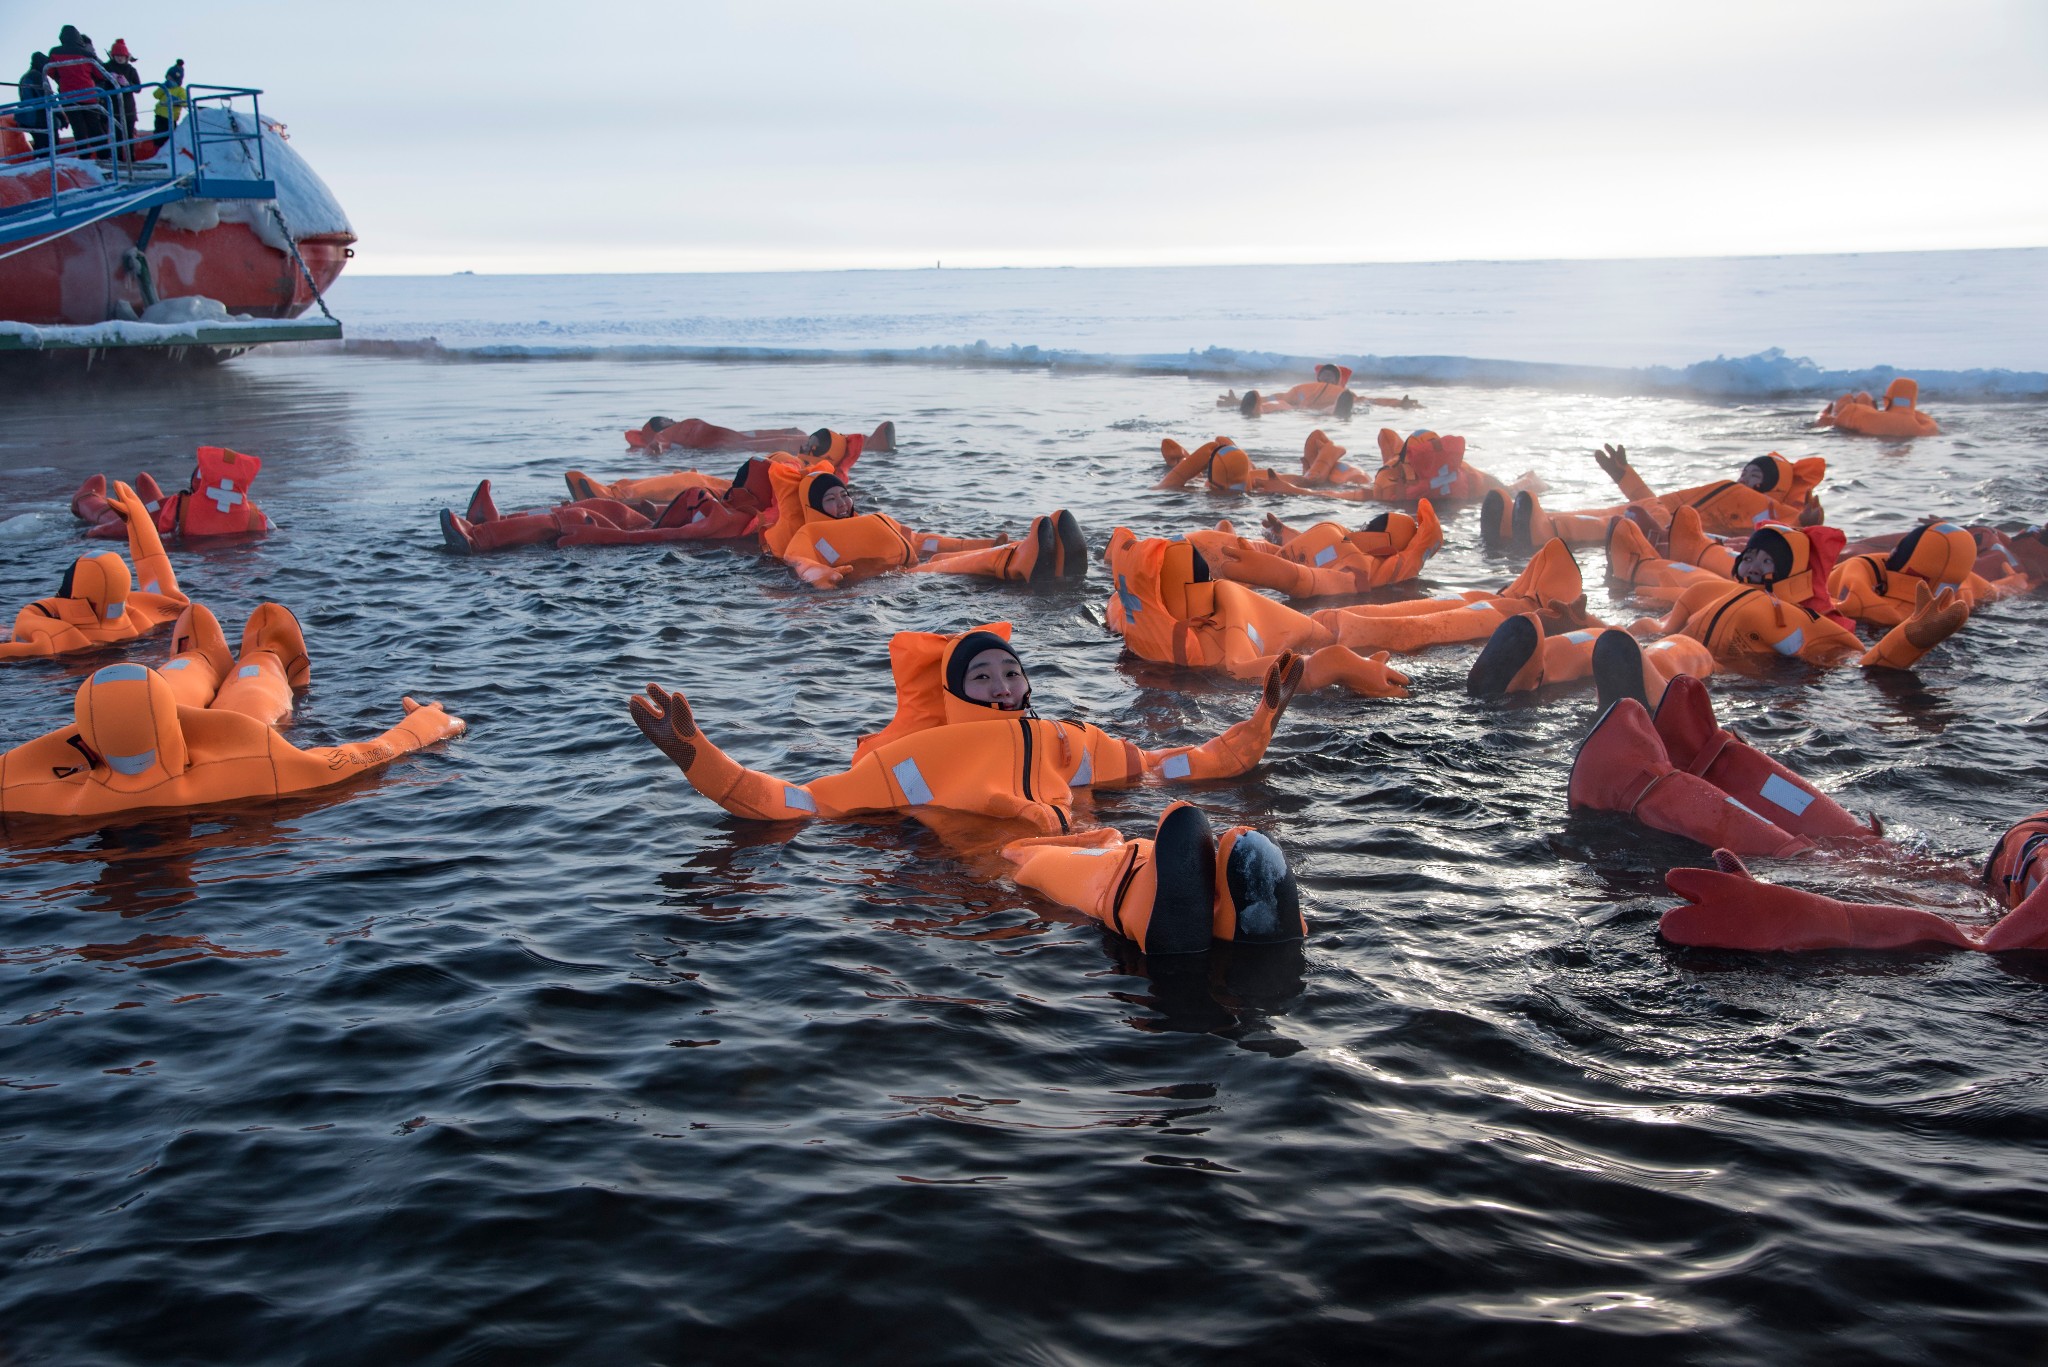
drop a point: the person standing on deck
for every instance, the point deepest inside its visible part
(122, 69)
(80, 79)
(40, 125)
(170, 99)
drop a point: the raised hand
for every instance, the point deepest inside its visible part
(1614, 460)
(664, 718)
(1283, 678)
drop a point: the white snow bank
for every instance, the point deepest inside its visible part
(185, 332)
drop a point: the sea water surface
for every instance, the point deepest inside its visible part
(523, 1052)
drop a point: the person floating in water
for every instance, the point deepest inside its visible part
(1768, 489)
(818, 533)
(966, 740)
(660, 434)
(704, 508)
(1329, 392)
(98, 604)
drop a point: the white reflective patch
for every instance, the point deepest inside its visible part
(825, 549)
(224, 495)
(115, 610)
(1680, 567)
(1760, 519)
(248, 671)
(1085, 850)
(132, 765)
(1326, 555)
(1480, 607)
(915, 790)
(1946, 527)
(1177, 766)
(796, 799)
(1084, 775)
(153, 586)
(1790, 645)
(1790, 796)
(1747, 808)
(1258, 643)
(1579, 638)
(931, 543)
(179, 664)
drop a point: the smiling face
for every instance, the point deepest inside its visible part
(836, 503)
(997, 678)
(1755, 567)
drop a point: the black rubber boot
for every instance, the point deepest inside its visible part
(1184, 865)
(1493, 520)
(1618, 668)
(1511, 646)
(1262, 891)
(1073, 554)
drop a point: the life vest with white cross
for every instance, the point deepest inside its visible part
(218, 503)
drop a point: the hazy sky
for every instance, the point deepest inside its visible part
(656, 135)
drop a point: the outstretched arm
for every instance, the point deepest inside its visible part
(153, 573)
(1244, 744)
(1614, 460)
(301, 771)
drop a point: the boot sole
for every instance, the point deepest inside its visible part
(1184, 869)
(1618, 669)
(1492, 512)
(452, 534)
(1519, 522)
(1263, 892)
(1073, 554)
(1507, 650)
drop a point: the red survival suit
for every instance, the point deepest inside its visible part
(215, 502)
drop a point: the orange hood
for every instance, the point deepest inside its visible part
(1811, 553)
(1160, 586)
(919, 660)
(127, 719)
(1939, 552)
(1902, 393)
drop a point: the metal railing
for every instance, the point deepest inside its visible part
(133, 165)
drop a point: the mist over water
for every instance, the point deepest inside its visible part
(525, 1052)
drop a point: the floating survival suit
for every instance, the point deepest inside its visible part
(948, 752)
(1685, 774)
(828, 551)
(1549, 586)
(1778, 490)
(1314, 396)
(97, 604)
(215, 502)
(1729, 909)
(1881, 589)
(1791, 616)
(1169, 610)
(1326, 559)
(1172, 893)
(133, 748)
(1899, 417)
(257, 682)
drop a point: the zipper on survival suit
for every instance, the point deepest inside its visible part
(1707, 636)
(1025, 724)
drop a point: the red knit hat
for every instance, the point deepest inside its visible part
(119, 49)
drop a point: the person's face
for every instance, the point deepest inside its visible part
(994, 676)
(837, 503)
(1754, 567)
(1752, 477)
(1327, 375)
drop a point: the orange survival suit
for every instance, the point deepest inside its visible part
(1881, 589)
(828, 551)
(1314, 396)
(97, 604)
(1169, 610)
(215, 502)
(946, 752)
(1783, 491)
(133, 747)
(1791, 615)
(1425, 465)
(1327, 559)
(1899, 417)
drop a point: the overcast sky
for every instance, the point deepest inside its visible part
(658, 135)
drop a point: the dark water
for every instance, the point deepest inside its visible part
(525, 1053)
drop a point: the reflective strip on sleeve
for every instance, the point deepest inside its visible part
(1326, 555)
(248, 671)
(1791, 644)
(1084, 775)
(1177, 766)
(796, 799)
(1258, 643)
(1790, 796)
(915, 790)
(1579, 638)
(825, 549)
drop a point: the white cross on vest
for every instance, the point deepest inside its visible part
(1443, 480)
(224, 495)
